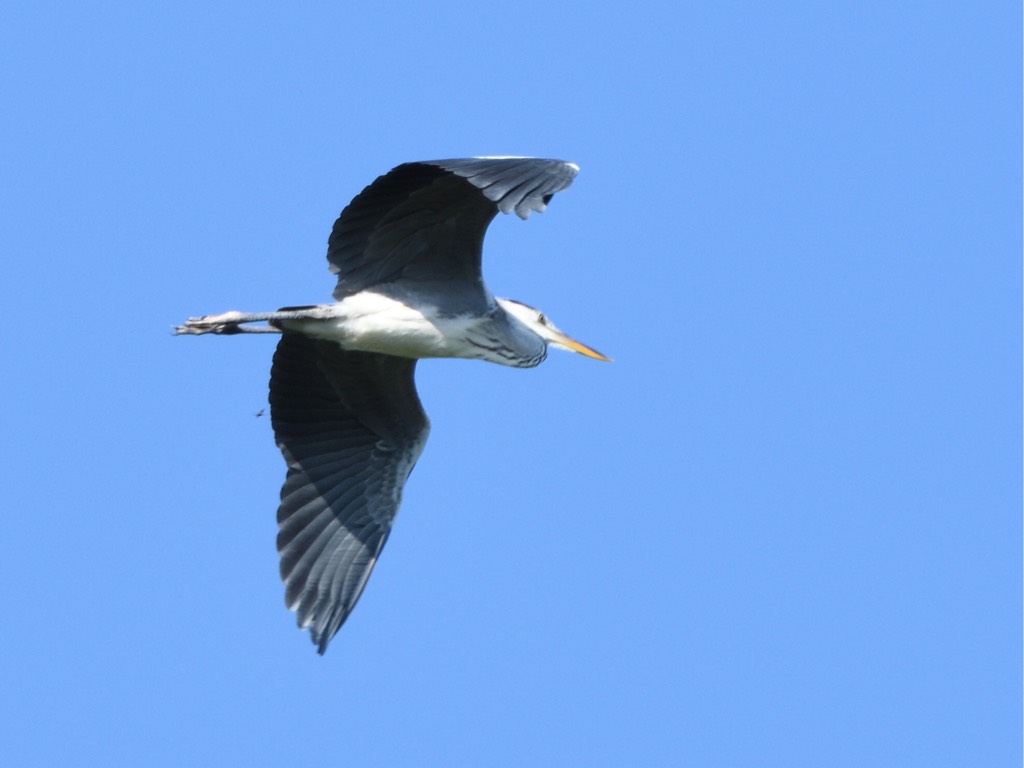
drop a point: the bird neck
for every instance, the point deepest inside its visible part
(507, 340)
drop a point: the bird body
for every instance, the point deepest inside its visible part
(343, 401)
(375, 322)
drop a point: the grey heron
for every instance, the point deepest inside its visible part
(343, 403)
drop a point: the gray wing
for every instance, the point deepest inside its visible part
(351, 427)
(425, 221)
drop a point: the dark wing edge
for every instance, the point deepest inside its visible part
(351, 428)
(426, 220)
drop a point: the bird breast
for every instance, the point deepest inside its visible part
(371, 322)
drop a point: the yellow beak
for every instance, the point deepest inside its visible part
(571, 344)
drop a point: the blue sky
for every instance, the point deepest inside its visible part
(783, 528)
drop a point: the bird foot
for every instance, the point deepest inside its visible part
(226, 323)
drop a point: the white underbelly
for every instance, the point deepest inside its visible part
(372, 323)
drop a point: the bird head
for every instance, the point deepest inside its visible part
(537, 322)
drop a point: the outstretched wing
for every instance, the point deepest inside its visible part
(425, 221)
(351, 427)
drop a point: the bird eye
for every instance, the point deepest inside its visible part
(541, 319)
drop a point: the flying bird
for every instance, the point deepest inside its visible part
(343, 403)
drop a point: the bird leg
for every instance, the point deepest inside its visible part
(230, 323)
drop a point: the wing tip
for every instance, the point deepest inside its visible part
(321, 630)
(320, 642)
(514, 183)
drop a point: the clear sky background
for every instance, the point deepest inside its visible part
(783, 528)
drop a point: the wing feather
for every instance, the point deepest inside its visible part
(351, 427)
(425, 221)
